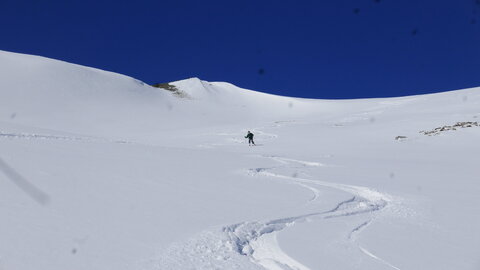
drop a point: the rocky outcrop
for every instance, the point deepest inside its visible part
(458, 125)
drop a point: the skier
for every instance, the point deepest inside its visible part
(250, 138)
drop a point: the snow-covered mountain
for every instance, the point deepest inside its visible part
(101, 171)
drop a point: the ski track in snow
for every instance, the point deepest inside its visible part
(257, 241)
(368, 253)
(33, 136)
(352, 237)
(249, 236)
(289, 160)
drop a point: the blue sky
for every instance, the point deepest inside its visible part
(316, 49)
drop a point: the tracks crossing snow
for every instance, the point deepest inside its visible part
(256, 241)
(253, 239)
(35, 136)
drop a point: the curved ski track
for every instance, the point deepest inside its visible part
(238, 245)
(252, 238)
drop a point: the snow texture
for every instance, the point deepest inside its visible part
(102, 171)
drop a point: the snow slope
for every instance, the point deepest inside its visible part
(101, 171)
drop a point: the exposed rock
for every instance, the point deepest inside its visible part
(171, 88)
(438, 130)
